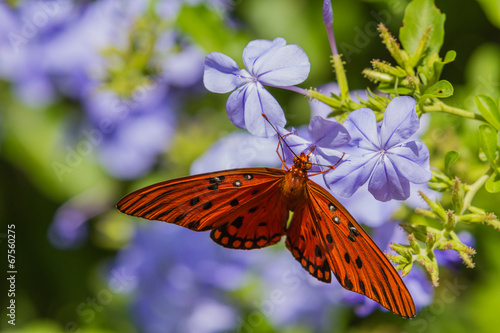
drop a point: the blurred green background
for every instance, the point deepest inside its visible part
(51, 282)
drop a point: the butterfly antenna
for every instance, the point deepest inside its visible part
(282, 138)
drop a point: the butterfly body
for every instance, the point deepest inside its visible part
(294, 185)
(249, 209)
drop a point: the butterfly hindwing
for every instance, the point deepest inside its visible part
(302, 241)
(355, 260)
(260, 220)
(243, 207)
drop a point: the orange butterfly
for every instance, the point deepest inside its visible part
(248, 209)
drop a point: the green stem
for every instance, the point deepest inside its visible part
(439, 106)
(472, 189)
(332, 102)
(338, 66)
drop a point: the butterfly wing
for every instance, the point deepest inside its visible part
(244, 208)
(323, 236)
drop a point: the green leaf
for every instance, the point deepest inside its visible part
(450, 159)
(439, 64)
(493, 184)
(488, 139)
(440, 89)
(419, 15)
(489, 109)
(450, 56)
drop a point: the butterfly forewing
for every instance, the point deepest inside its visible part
(243, 207)
(356, 261)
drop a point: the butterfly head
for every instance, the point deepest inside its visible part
(302, 162)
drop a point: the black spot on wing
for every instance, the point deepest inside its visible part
(317, 251)
(216, 180)
(362, 286)
(194, 201)
(213, 187)
(180, 217)
(359, 263)
(193, 224)
(347, 258)
(237, 222)
(348, 283)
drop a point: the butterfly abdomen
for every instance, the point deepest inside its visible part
(293, 188)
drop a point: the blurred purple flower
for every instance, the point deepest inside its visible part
(178, 277)
(69, 226)
(19, 41)
(271, 63)
(382, 155)
(238, 150)
(74, 58)
(131, 133)
(287, 295)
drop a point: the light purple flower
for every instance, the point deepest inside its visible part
(382, 155)
(320, 141)
(271, 63)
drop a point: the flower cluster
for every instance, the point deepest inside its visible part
(381, 154)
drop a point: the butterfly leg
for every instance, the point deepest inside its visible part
(332, 167)
(282, 152)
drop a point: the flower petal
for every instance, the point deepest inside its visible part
(327, 133)
(400, 121)
(362, 126)
(387, 183)
(368, 210)
(351, 174)
(412, 161)
(277, 64)
(235, 107)
(285, 66)
(258, 47)
(221, 73)
(257, 101)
